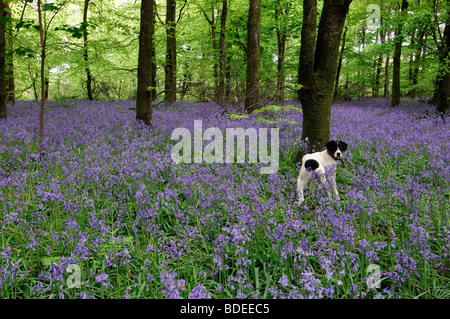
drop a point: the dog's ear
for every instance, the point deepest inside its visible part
(342, 146)
(331, 146)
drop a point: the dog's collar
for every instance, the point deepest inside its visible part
(336, 159)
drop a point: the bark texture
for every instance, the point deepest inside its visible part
(318, 67)
(85, 53)
(253, 56)
(3, 14)
(396, 92)
(145, 65)
(171, 54)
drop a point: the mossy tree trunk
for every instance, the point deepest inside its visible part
(318, 67)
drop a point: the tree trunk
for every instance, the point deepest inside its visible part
(417, 57)
(253, 56)
(153, 75)
(341, 55)
(144, 91)
(378, 66)
(443, 77)
(11, 86)
(318, 67)
(398, 39)
(46, 87)
(386, 70)
(222, 59)
(171, 54)
(43, 55)
(281, 43)
(3, 14)
(212, 23)
(85, 52)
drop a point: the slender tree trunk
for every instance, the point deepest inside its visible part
(386, 71)
(144, 91)
(85, 52)
(222, 59)
(417, 57)
(153, 75)
(11, 87)
(443, 77)
(171, 54)
(341, 55)
(253, 56)
(46, 87)
(281, 44)
(43, 55)
(395, 99)
(228, 80)
(378, 66)
(318, 67)
(212, 23)
(3, 14)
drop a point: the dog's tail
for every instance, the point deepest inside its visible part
(311, 165)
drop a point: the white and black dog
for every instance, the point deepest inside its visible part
(317, 162)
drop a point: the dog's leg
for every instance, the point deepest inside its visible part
(323, 180)
(302, 181)
(333, 186)
(312, 186)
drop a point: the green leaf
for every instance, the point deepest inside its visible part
(50, 7)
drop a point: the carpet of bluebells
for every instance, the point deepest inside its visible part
(106, 204)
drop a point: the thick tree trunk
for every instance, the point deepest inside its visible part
(171, 54)
(253, 56)
(281, 44)
(3, 14)
(220, 93)
(144, 91)
(398, 39)
(85, 52)
(443, 77)
(318, 67)
(341, 55)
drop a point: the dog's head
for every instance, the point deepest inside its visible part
(336, 148)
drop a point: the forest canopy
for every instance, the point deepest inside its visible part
(112, 29)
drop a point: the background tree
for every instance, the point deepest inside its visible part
(171, 53)
(253, 56)
(43, 33)
(443, 77)
(85, 51)
(398, 39)
(145, 65)
(3, 22)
